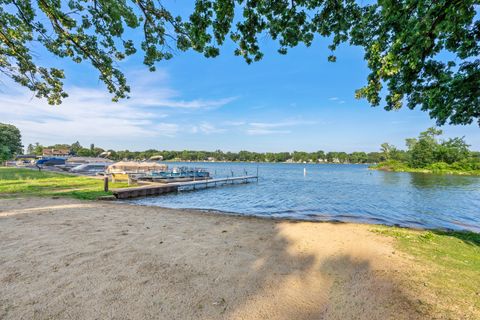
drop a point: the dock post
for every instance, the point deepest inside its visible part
(257, 173)
(105, 183)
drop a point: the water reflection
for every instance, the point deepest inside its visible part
(391, 178)
(424, 180)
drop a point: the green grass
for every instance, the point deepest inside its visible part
(452, 261)
(436, 168)
(15, 181)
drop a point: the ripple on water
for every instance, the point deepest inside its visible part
(338, 192)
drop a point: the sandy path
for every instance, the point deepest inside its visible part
(67, 259)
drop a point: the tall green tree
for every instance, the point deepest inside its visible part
(452, 150)
(75, 147)
(404, 41)
(374, 157)
(387, 150)
(30, 148)
(423, 153)
(10, 141)
(38, 149)
(358, 157)
(84, 152)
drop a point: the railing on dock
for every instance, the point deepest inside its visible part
(157, 189)
(209, 182)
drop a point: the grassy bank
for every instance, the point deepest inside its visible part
(437, 168)
(16, 181)
(451, 263)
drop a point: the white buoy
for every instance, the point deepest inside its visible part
(304, 171)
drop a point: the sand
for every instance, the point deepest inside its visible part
(69, 259)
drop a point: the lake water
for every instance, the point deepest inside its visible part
(337, 193)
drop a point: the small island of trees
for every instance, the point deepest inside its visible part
(428, 153)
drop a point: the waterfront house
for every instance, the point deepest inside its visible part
(47, 152)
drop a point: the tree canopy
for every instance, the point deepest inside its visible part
(10, 141)
(420, 53)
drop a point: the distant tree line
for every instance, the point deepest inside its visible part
(425, 151)
(218, 155)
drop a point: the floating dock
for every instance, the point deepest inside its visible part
(157, 189)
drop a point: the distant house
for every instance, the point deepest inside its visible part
(55, 152)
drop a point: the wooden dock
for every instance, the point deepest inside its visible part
(157, 189)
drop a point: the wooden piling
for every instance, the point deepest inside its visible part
(105, 183)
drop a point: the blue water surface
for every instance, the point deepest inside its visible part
(330, 192)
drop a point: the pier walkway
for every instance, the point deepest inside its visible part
(161, 188)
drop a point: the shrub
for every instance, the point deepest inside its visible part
(439, 167)
(469, 164)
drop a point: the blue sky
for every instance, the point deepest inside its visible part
(282, 103)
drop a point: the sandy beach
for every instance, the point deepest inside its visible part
(69, 259)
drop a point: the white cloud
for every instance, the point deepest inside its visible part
(267, 125)
(206, 128)
(90, 115)
(166, 129)
(166, 99)
(337, 99)
(86, 114)
(264, 128)
(287, 123)
(234, 123)
(209, 128)
(151, 90)
(258, 131)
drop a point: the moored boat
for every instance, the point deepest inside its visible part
(177, 174)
